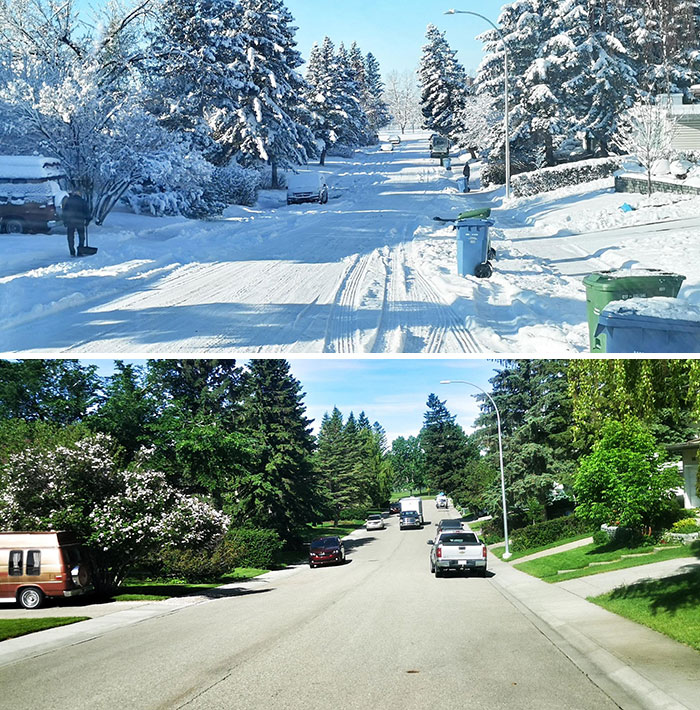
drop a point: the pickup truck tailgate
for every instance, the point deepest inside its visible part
(460, 549)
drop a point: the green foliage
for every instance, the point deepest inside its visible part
(200, 564)
(478, 477)
(447, 448)
(254, 547)
(492, 531)
(358, 512)
(18, 434)
(600, 537)
(535, 409)
(408, 460)
(622, 481)
(547, 532)
(688, 525)
(663, 393)
(60, 391)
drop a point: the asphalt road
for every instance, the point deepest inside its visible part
(377, 631)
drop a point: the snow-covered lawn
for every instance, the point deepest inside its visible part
(371, 271)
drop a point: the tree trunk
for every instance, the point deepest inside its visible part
(275, 176)
(323, 156)
(649, 181)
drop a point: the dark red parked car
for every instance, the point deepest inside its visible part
(326, 551)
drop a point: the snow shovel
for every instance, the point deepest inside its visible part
(86, 250)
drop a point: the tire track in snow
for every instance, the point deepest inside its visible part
(431, 321)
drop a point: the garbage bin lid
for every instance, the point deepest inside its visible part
(482, 212)
(609, 280)
(657, 313)
(475, 223)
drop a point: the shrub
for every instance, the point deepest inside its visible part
(492, 531)
(547, 532)
(546, 179)
(688, 525)
(600, 537)
(199, 565)
(254, 547)
(340, 150)
(357, 512)
(234, 185)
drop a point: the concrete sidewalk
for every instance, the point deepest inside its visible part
(638, 668)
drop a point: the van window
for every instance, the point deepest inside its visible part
(33, 563)
(71, 555)
(15, 569)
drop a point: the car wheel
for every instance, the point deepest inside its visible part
(438, 572)
(31, 598)
(432, 567)
(324, 198)
(14, 225)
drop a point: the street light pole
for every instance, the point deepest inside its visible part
(506, 87)
(507, 553)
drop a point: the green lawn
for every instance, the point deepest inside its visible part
(12, 628)
(147, 590)
(547, 568)
(498, 551)
(670, 605)
(344, 527)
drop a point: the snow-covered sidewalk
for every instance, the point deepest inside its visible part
(369, 272)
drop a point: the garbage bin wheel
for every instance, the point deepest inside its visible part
(483, 271)
(492, 253)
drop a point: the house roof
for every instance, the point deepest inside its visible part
(692, 444)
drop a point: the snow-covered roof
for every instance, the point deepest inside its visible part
(29, 167)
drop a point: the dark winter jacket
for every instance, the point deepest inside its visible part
(75, 210)
(466, 171)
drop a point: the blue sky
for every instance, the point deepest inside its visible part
(393, 30)
(391, 391)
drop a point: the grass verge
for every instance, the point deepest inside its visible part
(577, 561)
(498, 551)
(12, 628)
(670, 605)
(137, 590)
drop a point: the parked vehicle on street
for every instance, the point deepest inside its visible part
(31, 193)
(449, 525)
(394, 507)
(36, 565)
(387, 147)
(441, 501)
(439, 146)
(409, 519)
(306, 187)
(326, 551)
(395, 139)
(457, 551)
(413, 503)
(375, 522)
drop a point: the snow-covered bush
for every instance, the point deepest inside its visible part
(341, 150)
(235, 185)
(265, 179)
(547, 179)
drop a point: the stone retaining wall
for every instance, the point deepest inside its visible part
(625, 183)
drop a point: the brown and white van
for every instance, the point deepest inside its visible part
(36, 565)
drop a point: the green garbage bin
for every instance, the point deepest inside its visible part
(603, 287)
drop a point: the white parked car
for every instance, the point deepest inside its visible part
(395, 140)
(387, 147)
(375, 522)
(306, 187)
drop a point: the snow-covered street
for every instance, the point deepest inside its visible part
(371, 271)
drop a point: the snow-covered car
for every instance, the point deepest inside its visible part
(375, 522)
(30, 193)
(387, 147)
(306, 187)
(395, 139)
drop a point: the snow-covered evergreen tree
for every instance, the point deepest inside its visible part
(444, 85)
(269, 128)
(376, 108)
(197, 73)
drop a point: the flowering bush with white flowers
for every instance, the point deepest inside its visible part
(122, 516)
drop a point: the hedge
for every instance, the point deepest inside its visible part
(546, 179)
(255, 547)
(549, 531)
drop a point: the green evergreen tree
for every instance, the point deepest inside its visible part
(447, 448)
(281, 490)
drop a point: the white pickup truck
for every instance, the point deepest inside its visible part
(457, 550)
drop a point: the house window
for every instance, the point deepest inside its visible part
(15, 568)
(33, 563)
